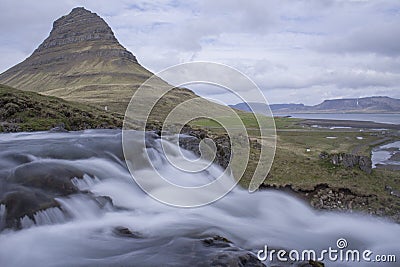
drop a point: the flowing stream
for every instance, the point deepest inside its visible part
(81, 230)
(386, 155)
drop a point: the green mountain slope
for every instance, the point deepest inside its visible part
(29, 111)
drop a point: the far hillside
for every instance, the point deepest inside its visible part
(373, 104)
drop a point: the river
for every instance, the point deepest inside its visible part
(110, 221)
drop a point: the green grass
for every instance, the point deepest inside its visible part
(29, 111)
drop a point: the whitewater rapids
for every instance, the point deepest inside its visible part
(82, 233)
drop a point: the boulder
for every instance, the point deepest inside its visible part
(346, 160)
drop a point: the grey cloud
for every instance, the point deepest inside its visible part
(383, 38)
(341, 79)
(291, 48)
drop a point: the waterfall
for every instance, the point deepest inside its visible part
(85, 230)
(85, 183)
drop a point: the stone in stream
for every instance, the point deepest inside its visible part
(21, 202)
(50, 177)
(32, 186)
(126, 232)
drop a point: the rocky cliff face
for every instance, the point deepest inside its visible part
(80, 29)
(81, 61)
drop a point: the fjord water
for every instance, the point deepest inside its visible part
(82, 232)
(379, 118)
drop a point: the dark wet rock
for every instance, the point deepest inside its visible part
(32, 187)
(235, 259)
(190, 143)
(126, 232)
(13, 159)
(217, 241)
(51, 177)
(24, 202)
(192, 138)
(223, 150)
(33, 176)
(222, 252)
(103, 201)
(200, 252)
(198, 133)
(59, 128)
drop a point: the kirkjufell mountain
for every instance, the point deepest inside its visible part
(82, 61)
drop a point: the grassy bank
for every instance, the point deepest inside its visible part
(298, 168)
(29, 111)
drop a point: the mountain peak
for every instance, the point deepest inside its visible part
(80, 9)
(79, 26)
(80, 60)
(75, 12)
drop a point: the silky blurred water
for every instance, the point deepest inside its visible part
(82, 233)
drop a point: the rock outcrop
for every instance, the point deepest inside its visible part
(349, 161)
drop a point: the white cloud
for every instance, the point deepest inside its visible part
(296, 51)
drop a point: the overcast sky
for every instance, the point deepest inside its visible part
(296, 51)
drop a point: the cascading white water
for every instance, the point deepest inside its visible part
(88, 238)
(44, 217)
(85, 183)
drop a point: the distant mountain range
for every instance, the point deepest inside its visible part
(374, 104)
